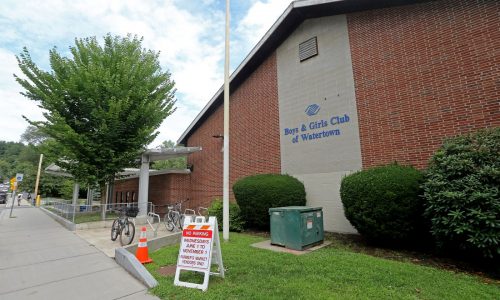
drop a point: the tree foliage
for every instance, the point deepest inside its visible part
(173, 163)
(102, 105)
(19, 158)
(33, 136)
(9, 152)
(236, 223)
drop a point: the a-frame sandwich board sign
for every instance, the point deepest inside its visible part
(199, 250)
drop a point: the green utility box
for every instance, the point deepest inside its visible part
(296, 227)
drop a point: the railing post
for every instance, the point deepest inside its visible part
(76, 193)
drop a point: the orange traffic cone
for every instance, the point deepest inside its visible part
(142, 248)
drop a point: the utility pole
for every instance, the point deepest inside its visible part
(38, 177)
(225, 195)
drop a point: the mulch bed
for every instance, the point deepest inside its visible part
(167, 270)
(488, 272)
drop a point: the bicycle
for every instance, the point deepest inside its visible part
(174, 218)
(123, 227)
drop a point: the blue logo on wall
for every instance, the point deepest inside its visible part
(312, 109)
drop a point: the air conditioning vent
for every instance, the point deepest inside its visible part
(308, 49)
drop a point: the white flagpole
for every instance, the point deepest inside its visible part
(225, 198)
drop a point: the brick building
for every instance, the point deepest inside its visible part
(337, 86)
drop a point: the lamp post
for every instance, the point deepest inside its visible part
(225, 194)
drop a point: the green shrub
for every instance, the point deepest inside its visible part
(256, 194)
(235, 221)
(67, 189)
(384, 203)
(461, 190)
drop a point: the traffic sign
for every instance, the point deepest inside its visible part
(13, 183)
(19, 177)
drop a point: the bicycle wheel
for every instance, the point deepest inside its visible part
(127, 234)
(115, 230)
(170, 222)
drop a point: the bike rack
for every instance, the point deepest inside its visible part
(154, 228)
(200, 219)
(203, 211)
(189, 212)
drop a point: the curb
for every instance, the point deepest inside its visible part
(130, 263)
(157, 243)
(126, 259)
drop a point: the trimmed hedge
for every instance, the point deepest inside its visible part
(256, 194)
(235, 221)
(462, 193)
(384, 203)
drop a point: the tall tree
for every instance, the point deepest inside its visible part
(102, 105)
(19, 158)
(32, 135)
(173, 163)
(9, 153)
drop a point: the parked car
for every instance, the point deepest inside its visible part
(4, 189)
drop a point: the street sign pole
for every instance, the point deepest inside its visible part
(13, 198)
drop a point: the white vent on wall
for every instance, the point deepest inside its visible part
(308, 49)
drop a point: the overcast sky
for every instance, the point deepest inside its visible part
(189, 34)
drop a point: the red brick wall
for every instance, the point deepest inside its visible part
(121, 188)
(422, 73)
(179, 187)
(163, 189)
(254, 136)
(168, 189)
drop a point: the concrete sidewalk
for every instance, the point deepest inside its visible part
(100, 237)
(40, 259)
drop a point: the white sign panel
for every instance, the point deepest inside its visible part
(19, 177)
(195, 247)
(200, 249)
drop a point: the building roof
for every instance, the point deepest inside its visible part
(57, 171)
(127, 173)
(290, 19)
(135, 173)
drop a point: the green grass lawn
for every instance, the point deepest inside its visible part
(329, 273)
(93, 217)
(84, 217)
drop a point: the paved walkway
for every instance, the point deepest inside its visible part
(40, 259)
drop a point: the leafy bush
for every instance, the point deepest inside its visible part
(235, 221)
(67, 189)
(384, 203)
(461, 189)
(256, 194)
